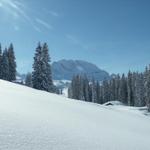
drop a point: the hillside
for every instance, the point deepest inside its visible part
(37, 120)
(66, 69)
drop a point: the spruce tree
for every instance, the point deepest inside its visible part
(98, 100)
(146, 74)
(5, 65)
(94, 94)
(129, 88)
(101, 100)
(139, 90)
(86, 88)
(47, 83)
(148, 90)
(42, 75)
(37, 68)
(12, 63)
(28, 80)
(117, 87)
(123, 93)
(0, 62)
(76, 87)
(106, 91)
(113, 89)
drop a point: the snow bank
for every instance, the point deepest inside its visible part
(112, 103)
(37, 120)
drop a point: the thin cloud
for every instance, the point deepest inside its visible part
(43, 23)
(53, 13)
(75, 41)
(72, 38)
(16, 9)
(37, 29)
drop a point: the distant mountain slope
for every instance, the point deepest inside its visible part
(66, 69)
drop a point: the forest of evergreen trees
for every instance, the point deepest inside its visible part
(7, 64)
(132, 90)
(40, 78)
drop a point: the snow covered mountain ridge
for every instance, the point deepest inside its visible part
(66, 69)
(38, 120)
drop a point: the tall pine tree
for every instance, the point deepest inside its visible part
(42, 75)
(37, 65)
(0, 62)
(47, 82)
(28, 80)
(5, 65)
(12, 63)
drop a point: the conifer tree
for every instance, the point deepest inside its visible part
(86, 88)
(93, 90)
(123, 93)
(12, 63)
(129, 87)
(146, 74)
(101, 100)
(5, 65)
(76, 88)
(117, 87)
(37, 68)
(106, 91)
(148, 89)
(98, 96)
(42, 76)
(139, 90)
(47, 82)
(113, 89)
(0, 62)
(28, 80)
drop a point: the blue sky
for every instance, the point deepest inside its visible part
(113, 34)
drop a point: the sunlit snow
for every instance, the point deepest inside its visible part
(36, 120)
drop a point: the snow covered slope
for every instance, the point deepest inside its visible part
(36, 120)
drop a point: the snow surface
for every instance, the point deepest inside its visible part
(37, 120)
(65, 92)
(113, 103)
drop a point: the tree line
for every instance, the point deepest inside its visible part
(41, 76)
(132, 89)
(7, 63)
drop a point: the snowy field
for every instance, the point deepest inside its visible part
(36, 120)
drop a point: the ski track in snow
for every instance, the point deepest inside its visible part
(37, 120)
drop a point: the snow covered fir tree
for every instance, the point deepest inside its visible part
(8, 64)
(28, 80)
(42, 75)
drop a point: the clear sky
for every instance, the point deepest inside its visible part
(113, 34)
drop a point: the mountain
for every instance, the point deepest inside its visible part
(66, 69)
(36, 120)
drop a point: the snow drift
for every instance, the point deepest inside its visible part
(36, 120)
